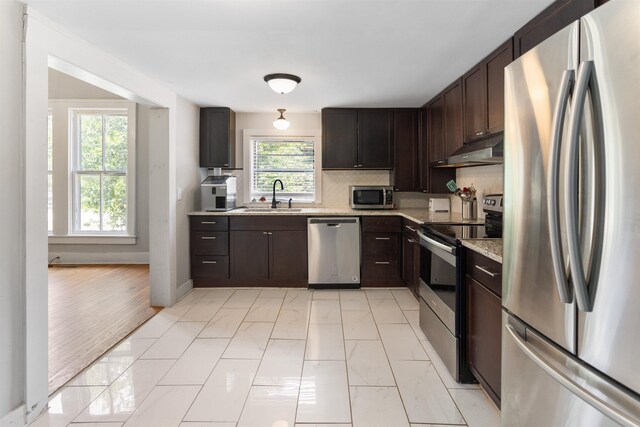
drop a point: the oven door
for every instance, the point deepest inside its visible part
(439, 279)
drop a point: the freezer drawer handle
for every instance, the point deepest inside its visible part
(486, 271)
(553, 181)
(584, 394)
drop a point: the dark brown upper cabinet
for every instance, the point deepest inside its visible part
(551, 20)
(339, 138)
(432, 148)
(452, 118)
(435, 130)
(357, 138)
(483, 94)
(406, 123)
(217, 137)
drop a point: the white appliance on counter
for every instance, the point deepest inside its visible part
(571, 276)
(440, 204)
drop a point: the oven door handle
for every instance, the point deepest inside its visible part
(427, 242)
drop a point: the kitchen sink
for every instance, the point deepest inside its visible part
(272, 210)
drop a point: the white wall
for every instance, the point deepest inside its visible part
(188, 178)
(12, 329)
(63, 86)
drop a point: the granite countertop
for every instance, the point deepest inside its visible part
(491, 248)
(419, 215)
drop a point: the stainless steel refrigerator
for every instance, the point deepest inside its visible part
(571, 272)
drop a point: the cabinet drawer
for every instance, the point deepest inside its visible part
(485, 270)
(210, 267)
(379, 269)
(268, 223)
(389, 224)
(210, 242)
(381, 244)
(210, 223)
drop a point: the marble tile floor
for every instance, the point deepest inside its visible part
(274, 358)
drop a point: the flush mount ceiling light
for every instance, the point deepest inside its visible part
(282, 83)
(281, 123)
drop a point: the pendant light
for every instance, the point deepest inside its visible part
(282, 83)
(281, 123)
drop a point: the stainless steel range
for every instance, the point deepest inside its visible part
(442, 270)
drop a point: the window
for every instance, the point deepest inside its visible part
(50, 172)
(101, 149)
(290, 159)
(92, 181)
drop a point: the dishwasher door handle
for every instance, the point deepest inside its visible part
(334, 225)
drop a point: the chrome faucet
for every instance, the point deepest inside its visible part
(274, 202)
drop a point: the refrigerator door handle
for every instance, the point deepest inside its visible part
(553, 183)
(592, 388)
(576, 265)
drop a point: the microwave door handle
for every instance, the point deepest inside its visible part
(553, 211)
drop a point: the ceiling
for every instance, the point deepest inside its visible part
(395, 53)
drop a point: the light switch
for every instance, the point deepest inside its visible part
(179, 195)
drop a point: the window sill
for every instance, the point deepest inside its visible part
(92, 240)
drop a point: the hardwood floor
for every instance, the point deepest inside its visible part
(91, 308)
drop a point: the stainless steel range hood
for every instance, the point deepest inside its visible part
(489, 151)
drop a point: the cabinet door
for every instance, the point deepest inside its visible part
(375, 138)
(405, 146)
(484, 336)
(410, 262)
(217, 137)
(249, 255)
(339, 138)
(288, 255)
(452, 118)
(475, 103)
(436, 131)
(496, 63)
(423, 151)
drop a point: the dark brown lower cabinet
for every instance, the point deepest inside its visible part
(288, 255)
(484, 334)
(381, 251)
(249, 255)
(410, 256)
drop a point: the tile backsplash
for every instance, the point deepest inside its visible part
(486, 180)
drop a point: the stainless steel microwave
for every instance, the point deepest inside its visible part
(371, 197)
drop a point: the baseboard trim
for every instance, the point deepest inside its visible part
(184, 289)
(14, 418)
(100, 258)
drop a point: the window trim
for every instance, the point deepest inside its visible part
(66, 110)
(249, 134)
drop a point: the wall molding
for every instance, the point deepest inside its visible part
(101, 257)
(14, 418)
(184, 289)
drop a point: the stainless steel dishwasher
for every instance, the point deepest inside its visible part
(334, 252)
